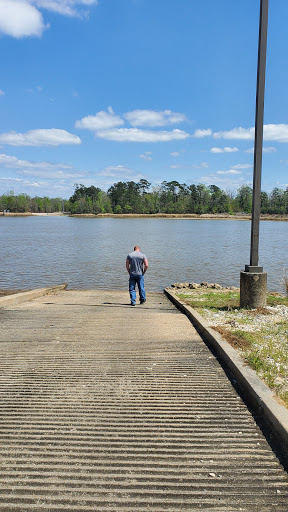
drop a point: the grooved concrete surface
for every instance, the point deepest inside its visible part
(105, 407)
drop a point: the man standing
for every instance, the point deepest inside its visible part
(136, 265)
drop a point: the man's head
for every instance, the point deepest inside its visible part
(136, 248)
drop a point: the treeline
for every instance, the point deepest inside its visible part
(22, 203)
(172, 197)
(141, 198)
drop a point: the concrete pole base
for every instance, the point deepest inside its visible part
(253, 289)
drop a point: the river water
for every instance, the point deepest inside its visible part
(90, 252)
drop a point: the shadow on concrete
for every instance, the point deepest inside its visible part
(108, 304)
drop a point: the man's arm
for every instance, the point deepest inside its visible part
(127, 265)
(145, 265)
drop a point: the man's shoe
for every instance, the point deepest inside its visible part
(132, 304)
(142, 301)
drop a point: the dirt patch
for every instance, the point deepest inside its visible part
(234, 341)
(3, 293)
(259, 311)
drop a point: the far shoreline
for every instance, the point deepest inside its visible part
(187, 216)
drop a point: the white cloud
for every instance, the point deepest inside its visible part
(199, 134)
(115, 170)
(120, 172)
(276, 132)
(101, 121)
(35, 90)
(225, 182)
(175, 153)
(146, 155)
(42, 137)
(105, 125)
(2, 93)
(231, 171)
(107, 120)
(41, 173)
(40, 169)
(10, 179)
(236, 133)
(65, 7)
(18, 181)
(153, 118)
(224, 150)
(49, 188)
(23, 18)
(12, 162)
(19, 18)
(271, 132)
(242, 166)
(270, 149)
(135, 135)
(203, 165)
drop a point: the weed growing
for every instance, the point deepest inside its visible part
(285, 281)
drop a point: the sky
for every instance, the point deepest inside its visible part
(99, 91)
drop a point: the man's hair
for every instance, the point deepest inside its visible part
(136, 247)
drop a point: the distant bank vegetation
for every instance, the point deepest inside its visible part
(140, 198)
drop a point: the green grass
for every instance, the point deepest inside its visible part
(274, 300)
(214, 301)
(223, 301)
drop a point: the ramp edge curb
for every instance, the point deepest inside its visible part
(17, 298)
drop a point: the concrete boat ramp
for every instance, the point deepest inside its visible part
(108, 407)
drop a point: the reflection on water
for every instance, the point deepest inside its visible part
(91, 252)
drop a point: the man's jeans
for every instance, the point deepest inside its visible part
(132, 284)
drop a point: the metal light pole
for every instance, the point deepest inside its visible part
(253, 282)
